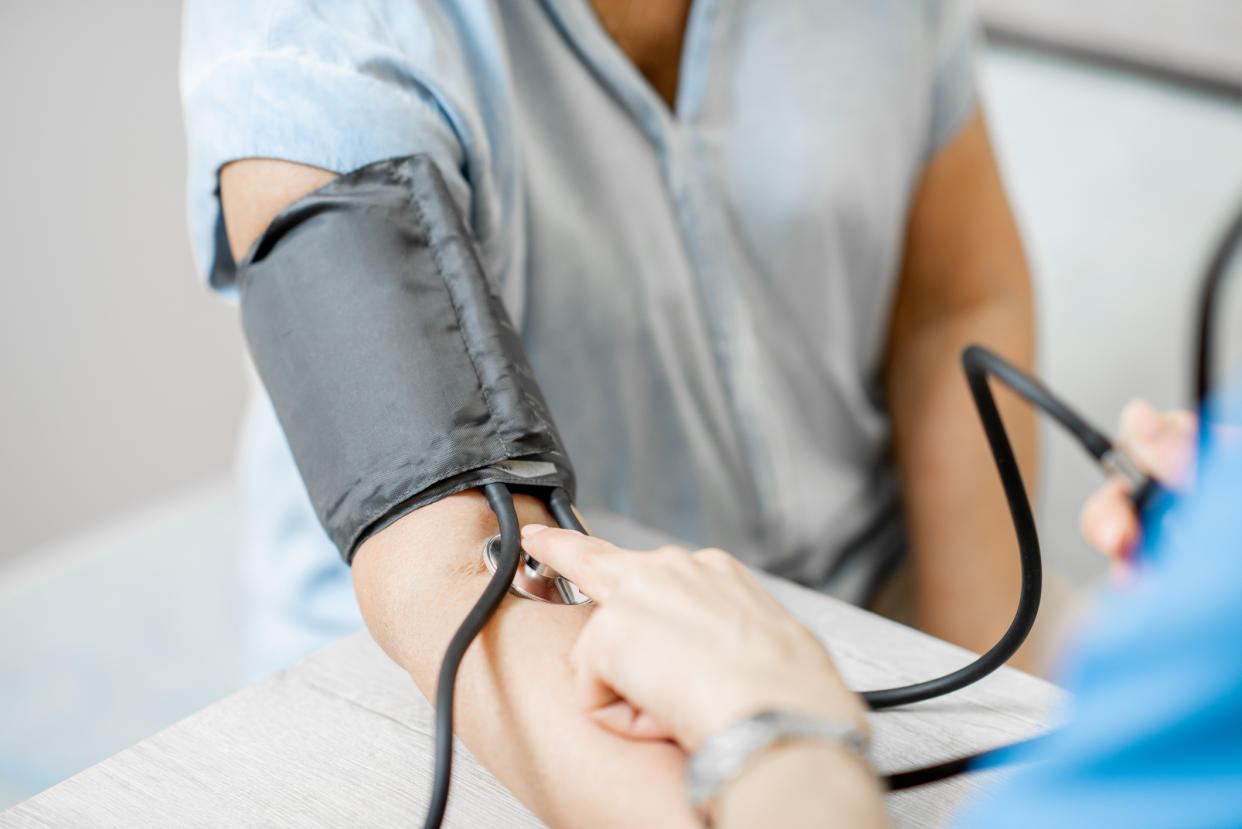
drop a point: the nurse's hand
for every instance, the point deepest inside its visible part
(1163, 445)
(681, 644)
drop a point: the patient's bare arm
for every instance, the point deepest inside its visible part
(515, 706)
(418, 578)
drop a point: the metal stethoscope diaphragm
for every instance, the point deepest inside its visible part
(535, 580)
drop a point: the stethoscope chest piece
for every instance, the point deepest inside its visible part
(534, 580)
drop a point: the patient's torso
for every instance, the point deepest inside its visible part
(703, 289)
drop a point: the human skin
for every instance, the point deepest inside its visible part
(682, 644)
(963, 280)
(1162, 443)
(416, 579)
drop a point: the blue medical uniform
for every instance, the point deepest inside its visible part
(1155, 731)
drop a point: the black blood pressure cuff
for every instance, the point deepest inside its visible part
(394, 369)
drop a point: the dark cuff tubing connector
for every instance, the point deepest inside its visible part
(393, 367)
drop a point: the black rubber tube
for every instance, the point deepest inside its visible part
(562, 510)
(501, 502)
(979, 363)
(897, 781)
(1218, 267)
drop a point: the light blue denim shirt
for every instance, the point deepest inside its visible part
(703, 291)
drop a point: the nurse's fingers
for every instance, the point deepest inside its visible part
(1108, 521)
(592, 658)
(625, 720)
(1161, 442)
(585, 560)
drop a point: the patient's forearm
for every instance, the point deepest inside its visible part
(416, 580)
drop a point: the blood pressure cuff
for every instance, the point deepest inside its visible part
(394, 369)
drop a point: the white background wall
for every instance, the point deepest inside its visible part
(120, 374)
(1198, 36)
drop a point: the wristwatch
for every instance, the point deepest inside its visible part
(724, 754)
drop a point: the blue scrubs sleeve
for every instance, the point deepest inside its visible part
(1155, 732)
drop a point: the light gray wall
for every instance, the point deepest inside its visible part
(1122, 187)
(1197, 36)
(120, 375)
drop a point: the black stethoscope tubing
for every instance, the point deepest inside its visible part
(979, 364)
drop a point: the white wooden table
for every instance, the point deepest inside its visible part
(343, 738)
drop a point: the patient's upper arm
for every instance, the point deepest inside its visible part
(254, 190)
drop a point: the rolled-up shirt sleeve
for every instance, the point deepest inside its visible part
(954, 91)
(331, 85)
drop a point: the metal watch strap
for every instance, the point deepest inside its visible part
(724, 754)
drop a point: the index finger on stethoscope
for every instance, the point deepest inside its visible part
(583, 559)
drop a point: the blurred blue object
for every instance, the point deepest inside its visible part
(1155, 730)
